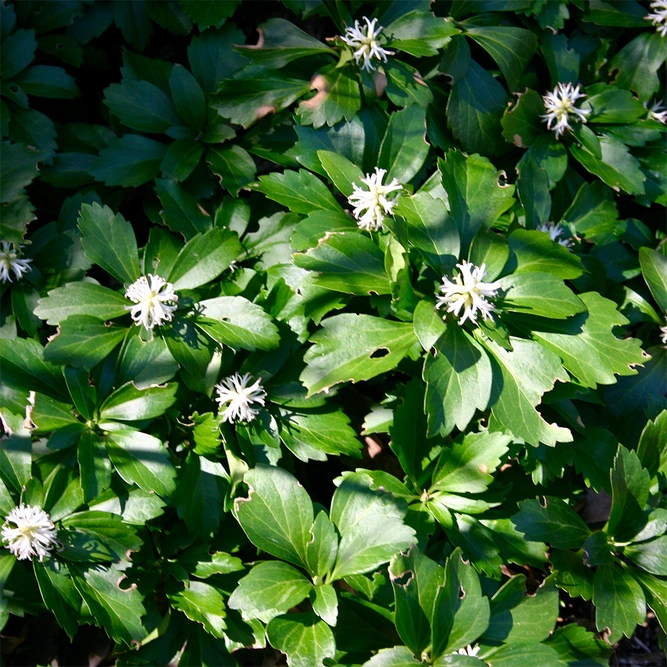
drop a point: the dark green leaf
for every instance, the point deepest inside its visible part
(304, 638)
(636, 64)
(19, 167)
(299, 191)
(47, 81)
(83, 298)
(202, 603)
(129, 161)
(233, 165)
(404, 147)
(188, 97)
(419, 33)
(542, 294)
(554, 522)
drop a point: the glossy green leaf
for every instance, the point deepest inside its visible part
(299, 191)
(188, 97)
(304, 638)
(129, 161)
(654, 270)
(234, 166)
(552, 521)
(202, 603)
(129, 403)
(180, 210)
(542, 294)
(404, 147)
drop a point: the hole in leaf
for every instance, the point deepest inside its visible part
(379, 353)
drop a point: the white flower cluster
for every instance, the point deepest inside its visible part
(468, 650)
(468, 293)
(365, 44)
(9, 261)
(663, 333)
(155, 301)
(555, 232)
(659, 16)
(239, 395)
(372, 205)
(560, 106)
(29, 532)
(658, 112)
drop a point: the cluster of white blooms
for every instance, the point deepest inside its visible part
(29, 532)
(658, 112)
(468, 650)
(663, 333)
(365, 44)
(239, 395)
(372, 205)
(9, 261)
(155, 301)
(560, 106)
(659, 16)
(555, 232)
(468, 293)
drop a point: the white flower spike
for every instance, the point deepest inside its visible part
(33, 535)
(155, 301)
(372, 205)
(663, 333)
(239, 395)
(9, 261)
(560, 107)
(659, 16)
(555, 231)
(658, 112)
(365, 44)
(468, 293)
(468, 650)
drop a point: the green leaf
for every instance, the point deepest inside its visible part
(616, 166)
(277, 514)
(630, 484)
(33, 129)
(271, 588)
(94, 465)
(106, 528)
(340, 170)
(210, 54)
(118, 610)
(587, 346)
(476, 105)
(354, 347)
(24, 369)
(200, 494)
(314, 436)
(233, 165)
(245, 101)
(572, 642)
(512, 48)
(59, 593)
(299, 191)
(636, 65)
(81, 298)
(554, 522)
(305, 639)
(325, 603)
(129, 161)
(141, 106)
(522, 123)
(535, 251)
(404, 147)
(541, 294)
(656, 593)
(145, 363)
(188, 97)
(204, 258)
(129, 403)
(83, 341)
(322, 549)
(202, 603)
(337, 97)
(609, 104)
(429, 228)
(523, 654)
(141, 459)
(181, 158)
(108, 240)
(419, 33)
(180, 210)
(47, 81)
(571, 573)
(458, 379)
(416, 581)
(408, 432)
(16, 451)
(521, 377)
(19, 167)
(17, 52)
(651, 450)
(198, 562)
(235, 321)
(282, 43)
(651, 555)
(399, 656)
(654, 270)
(476, 196)
(619, 601)
(464, 467)
(207, 13)
(347, 262)
(533, 188)
(370, 524)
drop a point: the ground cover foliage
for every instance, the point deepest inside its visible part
(325, 325)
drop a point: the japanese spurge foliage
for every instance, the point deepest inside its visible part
(326, 340)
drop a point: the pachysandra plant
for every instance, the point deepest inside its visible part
(322, 342)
